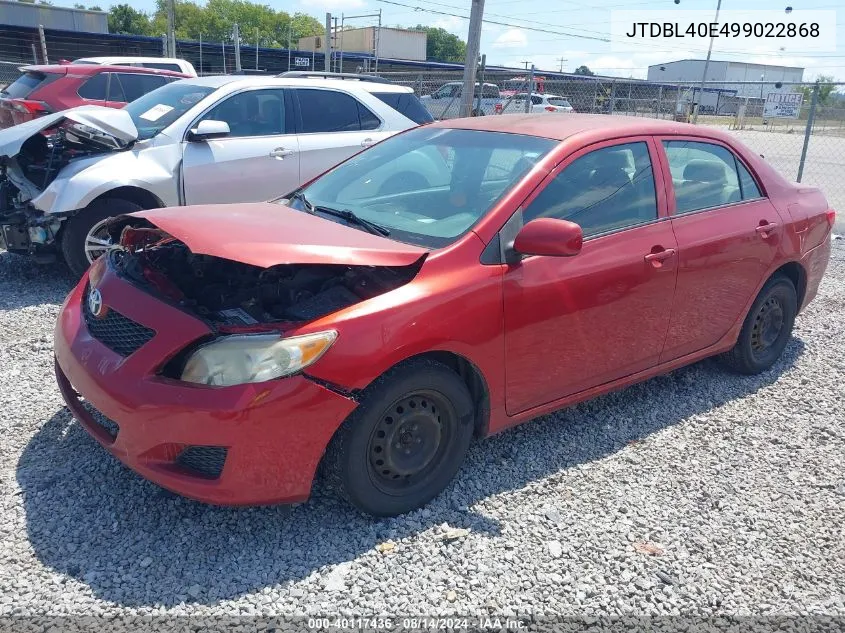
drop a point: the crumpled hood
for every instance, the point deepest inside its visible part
(268, 234)
(115, 123)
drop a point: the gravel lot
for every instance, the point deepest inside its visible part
(698, 493)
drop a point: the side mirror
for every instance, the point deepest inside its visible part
(550, 237)
(208, 129)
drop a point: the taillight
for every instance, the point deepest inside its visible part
(498, 108)
(26, 106)
(831, 217)
(551, 109)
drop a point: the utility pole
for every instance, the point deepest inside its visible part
(257, 42)
(526, 64)
(236, 36)
(529, 102)
(706, 64)
(171, 28)
(327, 64)
(473, 48)
(561, 60)
(290, 35)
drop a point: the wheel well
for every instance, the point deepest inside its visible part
(473, 379)
(797, 275)
(141, 197)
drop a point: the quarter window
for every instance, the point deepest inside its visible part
(330, 111)
(705, 175)
(608, 189)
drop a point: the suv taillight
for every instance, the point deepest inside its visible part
(831, 217)
(551, 109)
(27, 106)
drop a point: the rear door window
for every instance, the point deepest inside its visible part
(95, 88)
(115, 89)
(330, 111)
(407, 105)
(28, 83)
(704, 176)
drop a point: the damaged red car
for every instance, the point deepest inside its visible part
(448, 283)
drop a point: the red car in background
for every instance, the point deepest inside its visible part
(452, 281)
(44, 89)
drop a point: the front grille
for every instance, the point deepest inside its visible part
(205, 461)
(117, 332)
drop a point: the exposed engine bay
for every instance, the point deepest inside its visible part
(233, 294)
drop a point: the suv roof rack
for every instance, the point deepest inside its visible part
(306, 74)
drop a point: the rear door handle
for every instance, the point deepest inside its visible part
(765, 229)
(281, 152)
(660, 256)
(367, 142)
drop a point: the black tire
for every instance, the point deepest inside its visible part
(76, 229)
(766, 329)
(427, 409)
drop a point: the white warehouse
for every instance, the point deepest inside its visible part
(724, 75)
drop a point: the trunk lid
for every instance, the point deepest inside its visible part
(270, 234)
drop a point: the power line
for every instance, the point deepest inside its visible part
(498, 23)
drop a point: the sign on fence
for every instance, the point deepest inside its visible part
(783, 105)
(301, 61)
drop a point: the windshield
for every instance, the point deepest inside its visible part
(429, 186)
(157, 109)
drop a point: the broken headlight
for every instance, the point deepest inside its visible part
(239, 359)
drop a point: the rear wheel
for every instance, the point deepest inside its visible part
(766, 329)
(405, 442)
(84, 237)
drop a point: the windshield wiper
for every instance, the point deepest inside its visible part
(309, 206)
(349, 216)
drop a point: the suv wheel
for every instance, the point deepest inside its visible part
(84, 237)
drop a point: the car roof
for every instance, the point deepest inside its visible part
(596, 125)
(93, 69)
(249, 81)
(127, 58)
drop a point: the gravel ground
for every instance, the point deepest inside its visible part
(697, 493)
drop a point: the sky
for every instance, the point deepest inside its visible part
(567, 28)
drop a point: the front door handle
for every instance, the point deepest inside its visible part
(367, 142)
(281, 152)
(765, 229)
(659, 257)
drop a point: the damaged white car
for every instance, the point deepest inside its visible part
(196, 141)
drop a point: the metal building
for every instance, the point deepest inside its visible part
(24, 14)
(379, 41)
(725, 75)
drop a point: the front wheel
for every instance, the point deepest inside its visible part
(766, 329)
(84, 237)
(406, 440)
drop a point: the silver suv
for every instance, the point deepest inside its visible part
(197, 141)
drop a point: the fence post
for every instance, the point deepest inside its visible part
(660, 102)
(612, 97)
(809, 130)
(530, 91)
(43, 43)
(34, 54)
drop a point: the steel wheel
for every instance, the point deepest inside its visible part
(768, 324)
(97, 242)
(409, 441)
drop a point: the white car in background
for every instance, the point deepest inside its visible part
(162, 63)
(208, 140)
(540, 104)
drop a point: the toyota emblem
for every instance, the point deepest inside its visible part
(95, 302)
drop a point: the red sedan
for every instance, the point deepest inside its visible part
(450, 282)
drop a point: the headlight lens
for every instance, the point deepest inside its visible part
(239, 359)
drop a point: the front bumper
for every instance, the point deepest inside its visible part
(275, 433)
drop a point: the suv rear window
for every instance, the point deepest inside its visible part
(28, 83)
(407, 105)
